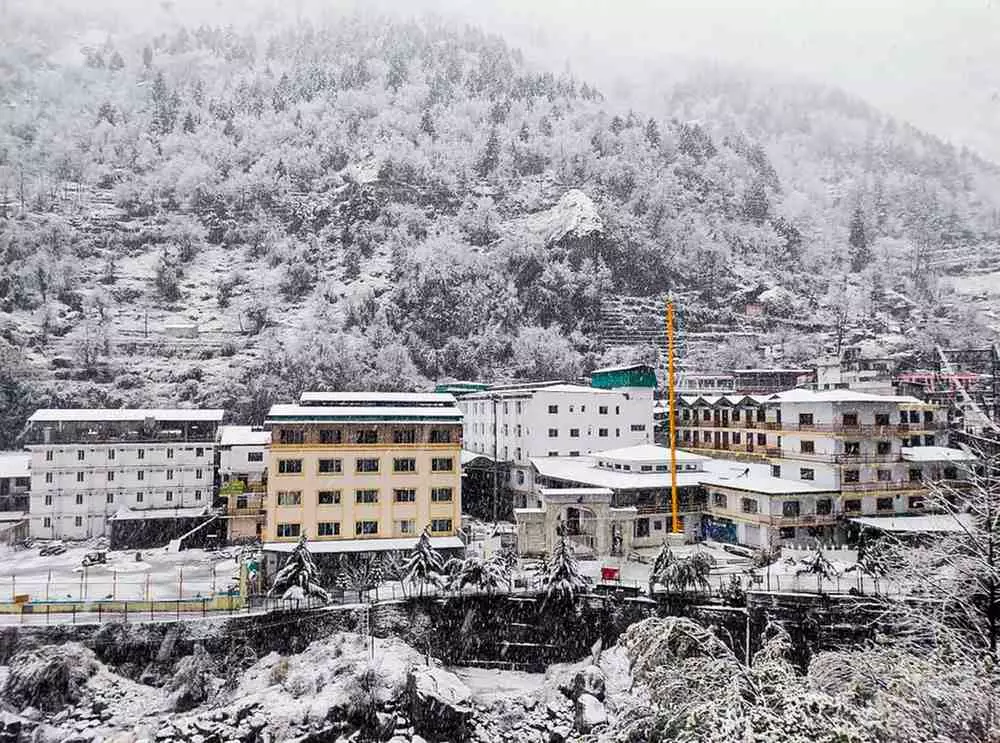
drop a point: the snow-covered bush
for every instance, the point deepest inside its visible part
(50, 677)
(425, 564)
(194, 680)
(297, 577)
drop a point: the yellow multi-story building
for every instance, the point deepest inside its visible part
(364, 466)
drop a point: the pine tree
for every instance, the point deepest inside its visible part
(653, 133)
(298, 575)
(860, 253)
(617, 125)
(755, 203)
(524, 134)
(563, 581)
(427, 124)
(491, 155)
(425, 563)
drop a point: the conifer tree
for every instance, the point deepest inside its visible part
(755, 203)
(425, 563)
(563, 581)
(491, 155)
(652, 133)
(298, 576)
(860, 254)
(427, 124)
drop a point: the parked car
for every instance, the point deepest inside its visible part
(52, 548)
(97, 557)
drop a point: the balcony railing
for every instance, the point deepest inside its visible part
(835, 458)
(860, 429)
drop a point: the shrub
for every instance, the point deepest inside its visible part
(50, 678)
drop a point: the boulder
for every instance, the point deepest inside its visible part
(590, 713)
(440, 704)
(589, 680)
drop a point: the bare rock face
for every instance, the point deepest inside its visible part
(440, 704)
(590, 713)
(574, 217)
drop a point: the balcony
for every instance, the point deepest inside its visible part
(834, 458)
(879, 486)
(861, 429)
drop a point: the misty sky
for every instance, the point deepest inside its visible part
(934, 63)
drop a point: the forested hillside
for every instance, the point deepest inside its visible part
(359, 202)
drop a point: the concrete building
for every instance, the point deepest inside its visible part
(15, 480)
(86, 465)
(364, 471)
(242, 474)
(517, 424)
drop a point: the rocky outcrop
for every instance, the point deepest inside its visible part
(440, 704)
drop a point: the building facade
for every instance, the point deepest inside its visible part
(519, 423)
(87, 465)
(242, 475)
(15, 481)
(377, 468)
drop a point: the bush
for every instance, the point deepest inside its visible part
(50, 678)
(194, 680)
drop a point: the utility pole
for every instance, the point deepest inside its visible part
(496, 455)
(672, 404)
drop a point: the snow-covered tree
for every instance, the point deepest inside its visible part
(298, 576)
(680, 574)
(425, 564)
(491, 574)
(194, 680)
(562, 579)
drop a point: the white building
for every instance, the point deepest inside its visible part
(88, 464)
(517, 424)
(242, 473)
(15, 480)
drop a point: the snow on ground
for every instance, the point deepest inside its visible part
(490, 684)
(165, 575)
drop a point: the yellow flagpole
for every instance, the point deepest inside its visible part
(674, 502)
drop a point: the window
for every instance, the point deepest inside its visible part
(140, 475)
(775, 470)
(915, 501)
(80, 454)
(807, 447)
(329, 497)
(441, 495)
(406, 527)
(255, 456)
(786, 532)
(328, 529)
(291, 436)
(618, 410)
(736, 437)
(79, 477)
(553, 433)
(170, 453)
(520, 477)
(138, 497)
(553, 409)
(883, 504)
(517, 430)
(638, 427)
(368, 495)
(331, 466)
(197, 495)
(289, 497)
(618, 432)
(365, 527)
(928, 440)
(197, 474)
(748, 505)
(366, 436)
(48, 455)
(330, 436)
(720, 500)
(852, 448)
(47, 522)
(824, 506)
(111, 453)
(79, 499)
(289, 466)
(288, 530)
(736, 414)
(807, 473)
(790, 509)
(366, 465)
(602, 432)
(48, 500)
(404, 465)
(916, 475)
(440, 436)
(442, 464)
(571, 408)
(170, 474)
(852, 475)
(440, 525)
(404, 436)
(199, 451)
(602, 409)
(884, 475)
(48, 477)
(140, 453)
(78, 521)
(574, 433)
(641, 528)
(517, 454)
(883, 447)
(853, 505)
(928, 416)
(111, 477)
(404, 495)
(170, 495)
(805, 419)
(761, 439)
(881, 419)
(850, 419)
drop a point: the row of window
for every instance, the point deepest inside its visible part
(110, 497)
(808, 419)
(824, 506)
(706, 437)
(362, 528)
(363, 436)
(139, 475)
(363, 495)
(365, 465)
(81, 454)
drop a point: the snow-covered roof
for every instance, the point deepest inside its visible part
(9, 516)
(55, 415)
(361, 398)
(624, 367)
(286, 412)
(530, 389)
(127, 514)
(243, 436)
(845, 396)
(574, 492)
(467, 456)
(930, 523)
(583, 470)
(15, 464)
(935, 454)
(646, 453)
(333, 546)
